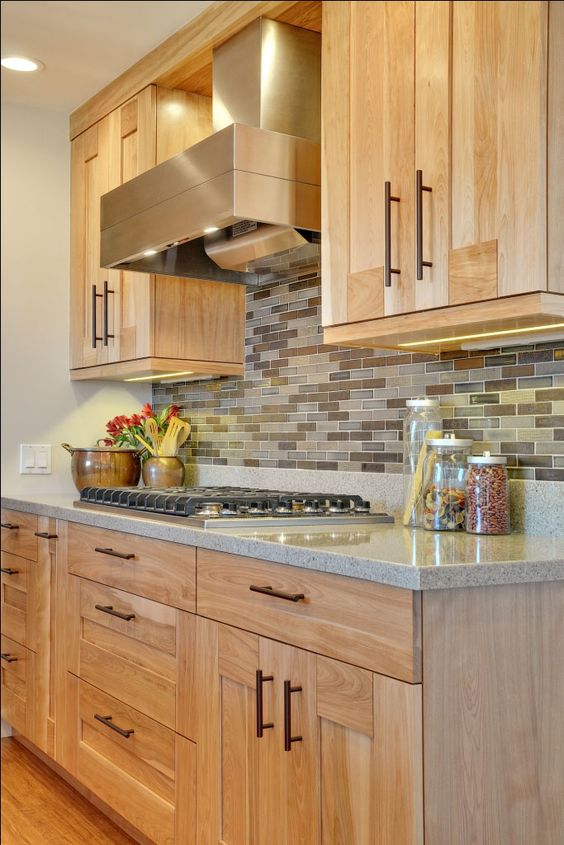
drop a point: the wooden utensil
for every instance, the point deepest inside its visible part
(151, 428)
(176, 434)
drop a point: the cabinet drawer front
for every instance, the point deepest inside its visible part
(370, 625)
(132, 659)
(156, 569)
(18, 533)
(14, 612)
(18, 669)
(132, 741)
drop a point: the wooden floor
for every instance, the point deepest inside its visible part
(39, 808)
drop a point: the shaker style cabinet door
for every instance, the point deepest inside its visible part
(499, 150)
(385, 158)
(92, 315)
(302, 748)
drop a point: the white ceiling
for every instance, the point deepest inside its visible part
(83, 44)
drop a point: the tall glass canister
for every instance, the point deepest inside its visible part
(423, 419)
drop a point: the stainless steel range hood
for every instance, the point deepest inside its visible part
(249, 191)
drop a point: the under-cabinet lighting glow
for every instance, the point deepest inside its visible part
(22, 64)
(514, 340)
(150, 252)
(500, 333)
(158, 376)
(211, 229)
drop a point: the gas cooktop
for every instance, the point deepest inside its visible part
(233, 506)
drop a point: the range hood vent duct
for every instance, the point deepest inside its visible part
(248, 192)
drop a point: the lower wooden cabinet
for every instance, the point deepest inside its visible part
(141, 769)
(302, 748)
(18, 686)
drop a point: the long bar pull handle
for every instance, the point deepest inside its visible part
(9, 571)
(122, 555)
(10, 526)
(419, 188)
(261, 679)
(107, 291)
(95, 336)
(45, 535)
(109, 609)
(288, 738)
(388, 200)
(107, 721)
(8, 658)
(279, 594)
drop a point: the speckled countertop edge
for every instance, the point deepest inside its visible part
(393, 573)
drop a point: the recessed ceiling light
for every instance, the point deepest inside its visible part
(22, 63)
(150, 252)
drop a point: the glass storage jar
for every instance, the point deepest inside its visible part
(423, 417)
(487, 510)
(444, 483)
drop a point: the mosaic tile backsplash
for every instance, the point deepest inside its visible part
(305, 405)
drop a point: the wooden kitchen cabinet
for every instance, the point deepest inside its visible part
(124, 324)
(344, 766)
(28, 632)
(455, 93)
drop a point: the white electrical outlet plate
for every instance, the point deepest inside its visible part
(35, 458)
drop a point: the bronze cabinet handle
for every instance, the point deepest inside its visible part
(388, 200)
(279, 594)
(8, 658)
(109, 609)
(288, 738)
(419, 188)
(95, 336)
(6, 570)
(260, 680)
(122, 555)
(105, 331)
(107, 721)
(45, 535)
(10, 526)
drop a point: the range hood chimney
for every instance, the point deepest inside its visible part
(248, 192)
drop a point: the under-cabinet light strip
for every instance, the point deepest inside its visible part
(158, 376)
(500, 333)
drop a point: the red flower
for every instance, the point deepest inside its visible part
(147, 411)
(135, 420)
(173, 412)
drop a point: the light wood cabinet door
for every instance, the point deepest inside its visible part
(90, 301)
(302, 748)
(386, 116)
(499, 150)
(132, 150)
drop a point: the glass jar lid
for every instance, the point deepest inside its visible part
(423, 402)
(451, 441)
(486, 458)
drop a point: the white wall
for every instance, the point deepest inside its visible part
(39, 402)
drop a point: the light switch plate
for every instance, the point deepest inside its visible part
(35, 458)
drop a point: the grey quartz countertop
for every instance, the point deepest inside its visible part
(388, 554)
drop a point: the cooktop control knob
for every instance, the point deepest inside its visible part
(284, 506)
(362, 507)
(336, 506)
(312, 506)
(228, 509)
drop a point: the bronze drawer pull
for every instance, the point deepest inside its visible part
(8, 658)
(8, 571)
(95, 335)
(10, 526)
(45, 535)
(419, 188)
(109, 609)
(261, 679)
(388, 200)
(288, 738)
(107, 721)
(122, 555)
(279, 594)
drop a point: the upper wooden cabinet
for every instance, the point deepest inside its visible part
(123, 324)
(439, 119)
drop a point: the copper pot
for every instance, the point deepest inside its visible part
(104, 466)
